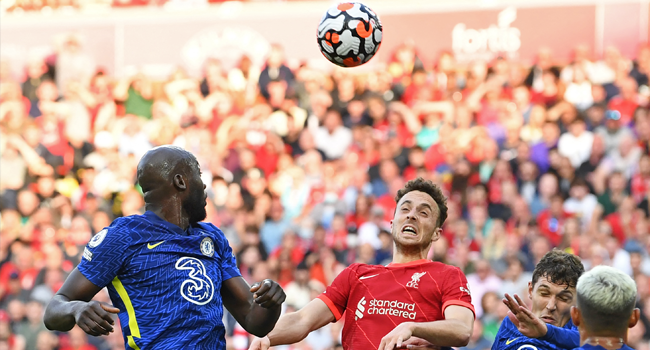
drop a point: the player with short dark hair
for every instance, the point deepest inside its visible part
(606, 299)
(553, 292)
(168, 274)
(410, 301)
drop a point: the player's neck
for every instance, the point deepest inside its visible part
(400, 257)
(172, 216)
(407, 254)
(609, 343)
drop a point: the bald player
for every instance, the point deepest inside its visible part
(168, 274)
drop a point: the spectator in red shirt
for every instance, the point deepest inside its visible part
(640, 182)
(626, 101)
(551, 221)
(623, 221)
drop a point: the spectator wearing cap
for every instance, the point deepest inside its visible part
(613, 132)
(576, 144)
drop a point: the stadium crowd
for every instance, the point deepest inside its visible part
(302, 166)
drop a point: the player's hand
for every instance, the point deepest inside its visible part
(396, 337)
(415, 343)
(268, 294)
(95, 318)
(260, 344)
(526, 322)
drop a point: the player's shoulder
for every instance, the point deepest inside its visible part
(213, 232)
(361, 269)
(209, 227)
(507, 329)
(119, 232)
(442, 267)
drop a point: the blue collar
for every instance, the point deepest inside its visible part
(157, 219)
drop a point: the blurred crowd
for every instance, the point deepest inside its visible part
(67, 6)
(302, 165)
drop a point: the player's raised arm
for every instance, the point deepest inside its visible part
(255, 308)
(71, 305)
(295, 326)
(455, 330)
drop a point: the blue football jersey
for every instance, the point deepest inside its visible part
(598, 347)
(509, 338)
(165, 281)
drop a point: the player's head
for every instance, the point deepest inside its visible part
(553, 287)
(605, 303)
(421, 210)
(171, 173)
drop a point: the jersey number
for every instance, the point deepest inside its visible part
(198, 288)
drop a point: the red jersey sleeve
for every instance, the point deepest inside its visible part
(456, 291)
(336, 295)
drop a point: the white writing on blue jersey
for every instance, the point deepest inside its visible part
(198, 288)
(527, 347)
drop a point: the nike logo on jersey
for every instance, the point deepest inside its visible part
(364, 277)
(151, 246)
(510, 341)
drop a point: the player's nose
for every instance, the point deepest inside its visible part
(551, 305)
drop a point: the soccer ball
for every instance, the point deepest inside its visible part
(349, 34)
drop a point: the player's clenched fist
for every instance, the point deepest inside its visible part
(260, 344)
(95, 318)
(268, 294)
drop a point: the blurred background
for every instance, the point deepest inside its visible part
(531, 115)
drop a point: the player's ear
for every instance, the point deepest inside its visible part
(575, 316)
(179, 182)
(530, 290)
(634, 318)
(436, 234)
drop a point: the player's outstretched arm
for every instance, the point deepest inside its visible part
(295, 326)
(533, 327)
(455, 330)
(255, 308)
(71, 305)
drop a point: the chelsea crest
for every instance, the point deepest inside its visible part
(207, 247)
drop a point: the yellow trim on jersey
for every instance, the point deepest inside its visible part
(133, 323)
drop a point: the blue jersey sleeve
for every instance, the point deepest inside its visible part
(228, 262)
(103, 256)
(566, 337)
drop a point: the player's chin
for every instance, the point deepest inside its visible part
(411, 242)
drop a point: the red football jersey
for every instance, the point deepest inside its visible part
(378, 298)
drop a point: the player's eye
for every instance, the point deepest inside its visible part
(405, 209)
(424, 213)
